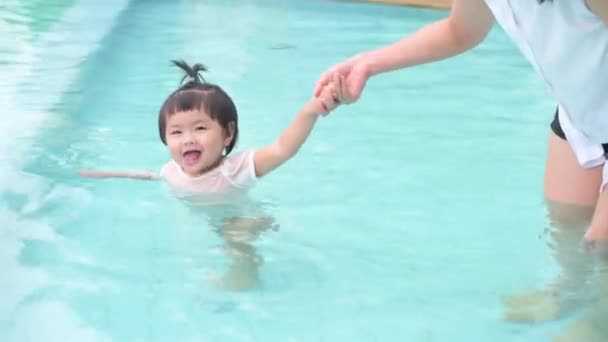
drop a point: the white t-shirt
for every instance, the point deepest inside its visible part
(235, 175)
(567, 44)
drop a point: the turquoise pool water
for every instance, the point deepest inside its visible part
(406, 217)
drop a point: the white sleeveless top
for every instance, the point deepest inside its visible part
(567, 44)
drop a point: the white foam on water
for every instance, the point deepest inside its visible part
(39, 72)
(53, 321)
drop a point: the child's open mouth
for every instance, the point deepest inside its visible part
(191, 157)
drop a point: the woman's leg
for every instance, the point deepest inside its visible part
(582, 190)
(591, 325)
(568, 184)
(571, 193)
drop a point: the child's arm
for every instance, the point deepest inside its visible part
(287, 145)
(133, 175)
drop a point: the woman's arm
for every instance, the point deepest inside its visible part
(468, 25)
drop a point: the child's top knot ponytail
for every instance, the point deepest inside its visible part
(193, 72)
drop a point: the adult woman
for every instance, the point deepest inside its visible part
(567, 43)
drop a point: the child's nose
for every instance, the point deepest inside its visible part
(189, 138)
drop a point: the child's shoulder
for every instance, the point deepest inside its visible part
(240, 166)
(170, 164)
(169, 169)
(238, 160)
(239, 155)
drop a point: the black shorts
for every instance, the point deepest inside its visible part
(556, 127)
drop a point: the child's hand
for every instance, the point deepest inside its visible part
(331, 95)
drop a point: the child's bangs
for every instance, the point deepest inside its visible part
(184, 101)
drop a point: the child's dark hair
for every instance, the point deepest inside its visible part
(197, 94)
(541, 1)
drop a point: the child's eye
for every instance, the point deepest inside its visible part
(201, 128)
(175, 132)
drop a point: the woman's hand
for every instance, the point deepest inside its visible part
(354, 73)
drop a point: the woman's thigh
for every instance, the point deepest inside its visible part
(570, 190)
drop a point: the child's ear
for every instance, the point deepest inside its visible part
(230, 133)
